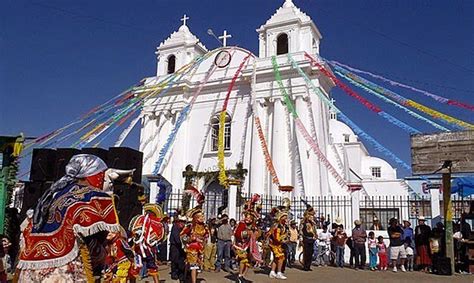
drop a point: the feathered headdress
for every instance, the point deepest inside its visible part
(199, 199)
(309, 208)
(250, 206)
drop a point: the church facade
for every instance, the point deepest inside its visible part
(288, 31)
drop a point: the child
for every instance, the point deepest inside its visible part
(372, 251)
(340, 239)
(324, 244)
(382, 252)
(410, 254)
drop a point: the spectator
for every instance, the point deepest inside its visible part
(410, 254)
(292, 243)
(340, 242)
(422, 244)
(359, 237)
(376, 226)
(224, 243)
(324, 243)
(177, 254)
(408, 233)
(382, 252)
(395, 233)
(372, 251)
(437, 245)
(350, 245)
(210, 250)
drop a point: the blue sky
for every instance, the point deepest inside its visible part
(58, 59)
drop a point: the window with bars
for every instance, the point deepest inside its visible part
(215, 133)
(376, 172)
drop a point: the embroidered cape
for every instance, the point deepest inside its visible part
(75, 211)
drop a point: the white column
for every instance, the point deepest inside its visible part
(145, 140)
(164, 133)
(232, 205)
(435, 208)
(280, 149)
(355, 201)
(257, 169)
(178, 153)
(309, 162)
(268, 116)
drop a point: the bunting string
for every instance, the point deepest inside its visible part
(127, 131)
(222, 119)
(362, 100)
(357, 130)
(382, 92)
(408, 111)
(181, 118)
(437, 98)
(301, 127)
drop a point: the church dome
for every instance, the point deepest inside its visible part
(373, 165)
(340, 132)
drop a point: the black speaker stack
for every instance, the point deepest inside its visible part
(48, 166)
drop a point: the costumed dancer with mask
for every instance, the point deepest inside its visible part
(278, 235)
(73, 208)
(148, 232)
(194, 235)
(119, 257)
(245, 243)
(308, 231)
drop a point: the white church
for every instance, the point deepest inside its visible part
(289, 30)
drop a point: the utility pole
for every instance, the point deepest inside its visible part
(448, 212)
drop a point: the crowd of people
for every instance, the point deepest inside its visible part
(73, 235)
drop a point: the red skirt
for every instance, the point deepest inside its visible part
(423, 255)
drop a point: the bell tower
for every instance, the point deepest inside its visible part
(180, 48)
(289, 30)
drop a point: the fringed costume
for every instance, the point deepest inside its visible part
(53, 247)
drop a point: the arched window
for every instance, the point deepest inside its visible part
(171, 64)
(215, 132)
(282, 44)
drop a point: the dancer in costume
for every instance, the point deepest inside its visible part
(245, 241)
(278, 235)
(147, 232)
(308, 232)
(194, 235)
(119, 257)
(73, 208)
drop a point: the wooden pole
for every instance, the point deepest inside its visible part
(448, 217)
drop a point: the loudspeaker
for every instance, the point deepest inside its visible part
(127, 203)
(63, 155)
(126, 158)
(31, 194)
(99, 152)
(442, 265)
(43, 164)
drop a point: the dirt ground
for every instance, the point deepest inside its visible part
(326, 275)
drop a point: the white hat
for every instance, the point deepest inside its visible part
(422, 218)
(338, 220)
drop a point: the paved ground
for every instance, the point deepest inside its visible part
(326, 275)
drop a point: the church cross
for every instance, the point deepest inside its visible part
(184, 19)
(224, 38)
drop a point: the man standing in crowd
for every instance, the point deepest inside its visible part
(292, 243)
(177, 254)
(408, 233)
(395, 233)
(309, 237)
(224, 243)
(210, 249)
(359, 237)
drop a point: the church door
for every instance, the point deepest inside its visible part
(216, 196)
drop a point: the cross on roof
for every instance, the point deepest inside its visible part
(184, 18)
(224, 38)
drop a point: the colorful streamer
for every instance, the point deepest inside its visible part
(369, 90)
(379, 147)
(301, 127)
(438, 98)
(220, 141)
(127, 131)
(381, 92)
(182, 117)
(362, 100)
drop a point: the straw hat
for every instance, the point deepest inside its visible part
(357, 222)
(338, 220)
(421, 218)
